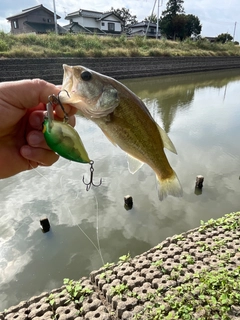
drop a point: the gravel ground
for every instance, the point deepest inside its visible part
(194, 275)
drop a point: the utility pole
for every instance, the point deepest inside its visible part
(55, 17)
(235, 24)
(157, 19)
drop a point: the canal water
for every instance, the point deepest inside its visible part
(199, 111)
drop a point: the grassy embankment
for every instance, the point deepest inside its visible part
(79, 45)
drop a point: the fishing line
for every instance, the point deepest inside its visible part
(97, 247)
(64, 203)
(39, 173)
(97, 230)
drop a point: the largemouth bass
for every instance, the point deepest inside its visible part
(124, 119)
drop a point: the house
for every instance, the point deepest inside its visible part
(36, 19)
(93, 22)
(211, 39)
(144, 28)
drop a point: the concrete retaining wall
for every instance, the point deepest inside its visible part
(50, 69)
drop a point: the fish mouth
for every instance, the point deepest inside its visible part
(67, 76)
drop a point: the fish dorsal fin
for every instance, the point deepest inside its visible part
(134, 164)
(166, 140)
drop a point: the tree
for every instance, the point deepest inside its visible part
(173, 8)
(224, 37)
(186, 26)
(125, 15)
(174, 23)
(193, 25)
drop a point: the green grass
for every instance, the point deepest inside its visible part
(80, 45)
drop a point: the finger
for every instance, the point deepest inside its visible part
(68, 109)
(26, 94)
(36, 139)
(71, 120)
(36, 119)
(41, 156)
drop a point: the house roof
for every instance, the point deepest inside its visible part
(85, 13)
(80, 28)
(26, 11)
(107, 14)
(142, 24)
(91, 14)
(44, 28)
(76, 25)
(96, 30)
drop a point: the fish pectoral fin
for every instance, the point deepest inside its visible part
(166, 140)
(134, 164)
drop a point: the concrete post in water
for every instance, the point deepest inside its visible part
(199, 181)
(45, 225)
(199, 184)
(128, 202)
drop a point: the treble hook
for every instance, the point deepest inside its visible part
(90, 183)
(56, 100)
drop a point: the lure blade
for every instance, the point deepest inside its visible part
(64, 140)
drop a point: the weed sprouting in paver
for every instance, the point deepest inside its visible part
(119, 289)
(108, 265)
(124, 258)
(76, 291)
(189, 259)
(51, 300)
(159, 264)
(179, 237)
(105, 275)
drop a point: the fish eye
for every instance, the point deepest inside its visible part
(86, 75)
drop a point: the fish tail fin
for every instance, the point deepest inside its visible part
(170, 186)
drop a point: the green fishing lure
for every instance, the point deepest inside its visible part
(64, 140)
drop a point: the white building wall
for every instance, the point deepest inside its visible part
(87, 22)
(91, 22)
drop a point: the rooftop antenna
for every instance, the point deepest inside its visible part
(55, 17)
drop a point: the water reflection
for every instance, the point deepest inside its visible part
(172, 93)
(201, 114)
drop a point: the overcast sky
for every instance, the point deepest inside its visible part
(216, 16)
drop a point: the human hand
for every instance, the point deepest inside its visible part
(22, 144)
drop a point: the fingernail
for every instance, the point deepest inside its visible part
(35, 138)
(36, 119)
(26, 151)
